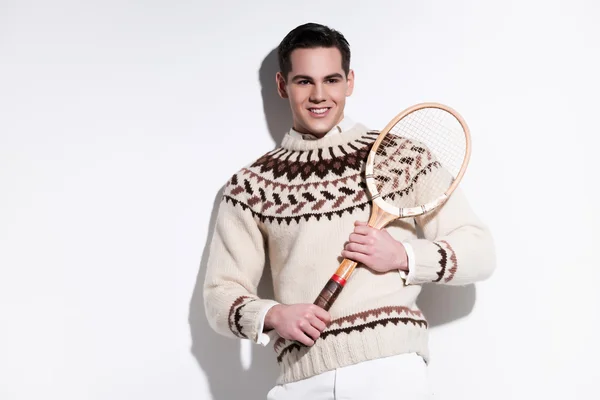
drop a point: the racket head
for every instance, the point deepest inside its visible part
(418, 160)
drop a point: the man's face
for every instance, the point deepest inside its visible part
(317, 88)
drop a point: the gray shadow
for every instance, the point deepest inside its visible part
(277, 110)
(442, 304)
(219, 356)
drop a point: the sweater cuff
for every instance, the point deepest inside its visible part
(246, 317)
(409, 276)
(432, 262)
(264, 338)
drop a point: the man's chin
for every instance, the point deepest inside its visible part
(319, 130)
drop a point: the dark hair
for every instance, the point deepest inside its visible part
(309, 36)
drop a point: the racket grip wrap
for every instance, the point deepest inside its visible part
(329, 294)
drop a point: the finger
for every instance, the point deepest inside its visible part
(360, 239)
(322, 314)
(310, 330)
(360, 223)
(358, 248)
(317, 323)
(358, 257)
(364, 230)
(301, 337)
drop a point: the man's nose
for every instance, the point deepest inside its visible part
(318, 93)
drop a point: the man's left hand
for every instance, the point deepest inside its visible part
(375, 248)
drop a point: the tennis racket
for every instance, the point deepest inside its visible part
(415, 164)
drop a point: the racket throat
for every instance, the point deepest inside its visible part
(380, 217)
(425, 208)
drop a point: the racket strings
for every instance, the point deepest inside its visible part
(417, 160)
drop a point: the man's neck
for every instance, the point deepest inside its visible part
(344, 125)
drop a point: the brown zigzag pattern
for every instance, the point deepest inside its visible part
(309, 196)
(238, 317)
(288, 350)
(391, 143)
(310, 203)
(233, 322)
(427, 168)
(392, 161)
(372, 324)
(306, 216)
(383, 179)
(376, 313)
(297, 187)
(443, 261)
(296, 202)
(388, 310)
(454, 262)
(299, 205)
(279, 165)
(279, 342)
(360, 328)
(399, 193)
(396, 195)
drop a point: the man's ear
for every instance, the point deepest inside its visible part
(350, 79)
(281, 86)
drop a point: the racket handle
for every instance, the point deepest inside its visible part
(329, 293)
(335, 285)
(327, 296)
(333, 288)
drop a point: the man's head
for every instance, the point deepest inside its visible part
(315, 76)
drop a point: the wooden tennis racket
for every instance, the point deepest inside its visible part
(414, 165)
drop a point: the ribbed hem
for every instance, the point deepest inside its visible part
(351, 348)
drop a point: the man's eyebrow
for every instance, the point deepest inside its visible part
(336, 75)
(302, 77)
(308, 78)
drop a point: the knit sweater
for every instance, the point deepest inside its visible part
(296, 207)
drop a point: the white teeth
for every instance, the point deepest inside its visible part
(318, 110)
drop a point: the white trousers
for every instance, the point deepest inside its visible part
(398, 377)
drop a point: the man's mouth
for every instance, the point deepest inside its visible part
(319, 111)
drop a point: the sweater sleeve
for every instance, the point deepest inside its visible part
(235, 266)
(457, 247)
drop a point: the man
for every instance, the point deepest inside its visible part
(305, 205)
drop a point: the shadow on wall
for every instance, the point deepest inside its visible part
(277, 110)
(219, 357)
(442, 304)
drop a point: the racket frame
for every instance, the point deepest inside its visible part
(382, 213)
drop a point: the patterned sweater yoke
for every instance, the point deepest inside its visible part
(295, 207)
(297, 182)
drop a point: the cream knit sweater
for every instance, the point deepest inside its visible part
(297, 206)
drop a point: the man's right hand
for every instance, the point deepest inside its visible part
(301, 322)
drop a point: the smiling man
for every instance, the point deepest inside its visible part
(304, 206)
(317, 82)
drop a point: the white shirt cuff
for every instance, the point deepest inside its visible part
(410, 254)
(264, 338)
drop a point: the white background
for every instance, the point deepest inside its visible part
(121, 120)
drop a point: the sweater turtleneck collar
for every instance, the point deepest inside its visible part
(295, 142)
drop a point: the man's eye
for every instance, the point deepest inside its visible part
(303, 82)
(333, 80)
